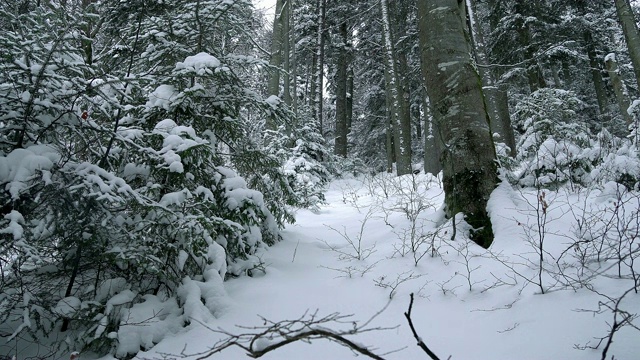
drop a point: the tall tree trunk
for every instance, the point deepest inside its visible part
(273, 86)
(596, 72)
(619, 89)
(399, 113)
(534, 72)
(350, 77)
(391, 156)
(319, 77)
(311, 84)
(400, 12)
(595, 64)
(631, 35)
(415, 114)
(432, 140)
(89, 34)
(495, 96)
(341, 94)
(286, 33)
(455, 90)
(293, 62)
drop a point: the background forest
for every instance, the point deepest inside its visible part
(150, 150)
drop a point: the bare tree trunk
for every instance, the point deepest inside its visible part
(399, 31)
(416, 120)
(391, 157)
(618, 88)
(391, 154)
(319, 78)
(631, 35)
(273, 86)
(311, 83)
(350, 77)
(399, 113)
(596, 75)
(341, 94)
(496, 98)
(293, 63)
(432, 141)
(286, 33)
(455, 90)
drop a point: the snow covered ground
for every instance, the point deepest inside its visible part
(470, 303)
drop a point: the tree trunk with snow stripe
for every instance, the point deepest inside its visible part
(400, 117)
(455, 90)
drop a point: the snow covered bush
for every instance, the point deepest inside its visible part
(121, 199)
(552, 146)
(289, 167)
(615, 160)
(174, 217)
(309, 165)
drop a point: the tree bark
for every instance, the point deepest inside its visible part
(631, 35)
(495, 96)
(399, 10)
(455, 91)
(341, 94)
(273, 86)
(319, 78)
(432, 141)
(311, 84)
(619, 88)
(293, 62)
(596, 75)
(391, 156)
(402, 137)
(350, 78)
(286, 33)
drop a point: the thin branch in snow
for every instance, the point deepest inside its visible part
(421, 343)
(260, 340)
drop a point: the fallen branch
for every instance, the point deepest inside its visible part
(421, 343)
(274, 335)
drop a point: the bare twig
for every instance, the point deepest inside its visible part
(274, 335)
(421, 343)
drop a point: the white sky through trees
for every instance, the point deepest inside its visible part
(267, 5)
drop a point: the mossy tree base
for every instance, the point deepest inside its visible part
(469, 178)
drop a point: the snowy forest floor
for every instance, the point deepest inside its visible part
(470, 303)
